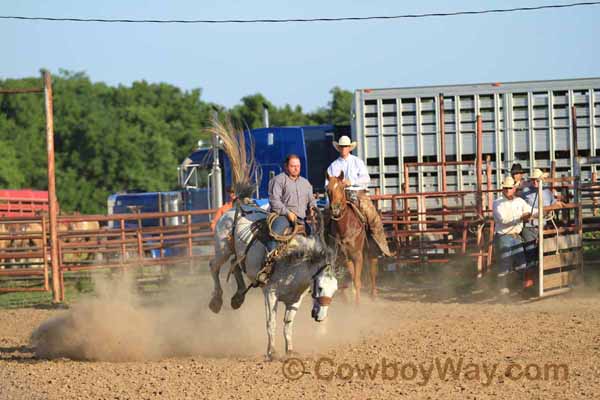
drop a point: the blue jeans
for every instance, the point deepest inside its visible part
(279, 226)
(530, 237)
(511, 254)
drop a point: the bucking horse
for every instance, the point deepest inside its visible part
(303, 266)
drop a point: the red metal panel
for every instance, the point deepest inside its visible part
(22, 202)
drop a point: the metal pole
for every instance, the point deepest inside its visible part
(442, 123)
(53, 206)
(265, 116)
(443, 145)
(217, 181)
(479, 166)
(540, 238)
(575, 151)
(490, 206)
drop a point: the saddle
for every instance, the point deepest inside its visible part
(261, 232)
(281, 250)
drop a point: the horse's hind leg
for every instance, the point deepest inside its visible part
(240, 295)
(216, 302)
(373, 266)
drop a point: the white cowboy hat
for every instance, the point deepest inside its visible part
(508, 182)
(538, 174)
(344, 141)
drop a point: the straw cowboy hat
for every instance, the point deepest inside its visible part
(344, 141)
(508, 182)
(538, 174)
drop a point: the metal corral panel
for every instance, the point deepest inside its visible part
(525, 122)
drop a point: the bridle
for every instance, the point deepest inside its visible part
(341, 205)
(323, 301)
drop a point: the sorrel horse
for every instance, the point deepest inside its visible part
(350, 232)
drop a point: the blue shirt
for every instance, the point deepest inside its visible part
(530, 195)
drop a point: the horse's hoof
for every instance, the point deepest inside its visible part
(271, 357)
(215, 304)
(292, 354)
(237, 300)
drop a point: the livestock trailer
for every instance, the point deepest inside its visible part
(526, 122)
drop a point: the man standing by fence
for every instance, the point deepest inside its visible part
(530, 229)
(510, 212)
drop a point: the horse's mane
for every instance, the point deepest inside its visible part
(303, 248)
(244, 169)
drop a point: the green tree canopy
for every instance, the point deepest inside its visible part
(110, 139)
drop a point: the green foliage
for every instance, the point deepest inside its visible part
(110, 139)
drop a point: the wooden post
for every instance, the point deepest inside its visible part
(52, 201)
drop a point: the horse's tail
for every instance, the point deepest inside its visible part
(244, 169)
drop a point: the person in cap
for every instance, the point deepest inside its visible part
(530, 229)
(510, 212)
(356, 180)
(224, 208)
(530, 191)
(517, 171)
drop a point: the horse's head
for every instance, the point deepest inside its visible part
(337, 194)
(324, 287)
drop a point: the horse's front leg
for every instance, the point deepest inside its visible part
(240, 295)
(373, 264)
(350, 268)
(356, 279)
(271, 314)
(288, 323)
(216, 301)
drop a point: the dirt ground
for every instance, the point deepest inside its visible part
(116, 346)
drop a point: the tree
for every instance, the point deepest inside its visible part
(117, 138)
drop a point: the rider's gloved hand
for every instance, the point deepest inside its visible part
(291, 217)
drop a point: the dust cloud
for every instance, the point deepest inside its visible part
(117, 324)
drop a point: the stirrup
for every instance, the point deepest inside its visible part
(262, 277)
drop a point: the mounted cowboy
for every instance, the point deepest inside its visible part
(242, 233)
(291, 199)
(356, 178)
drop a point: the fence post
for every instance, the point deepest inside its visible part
(123, 247)
(540, 238)
(52, 203)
